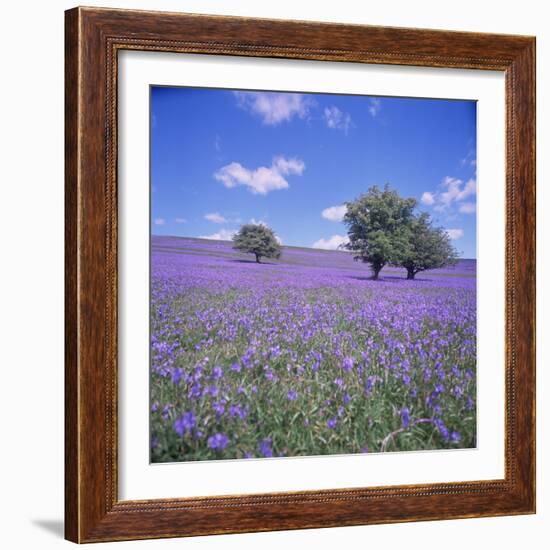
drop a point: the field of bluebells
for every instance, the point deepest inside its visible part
(306, 355)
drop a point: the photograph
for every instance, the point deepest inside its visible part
(312, 274)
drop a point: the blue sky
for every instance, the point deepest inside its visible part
(220, 158)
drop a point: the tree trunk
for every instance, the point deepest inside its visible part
(375, 271)
(258, 258)
(410, 274)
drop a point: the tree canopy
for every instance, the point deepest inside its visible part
(427, 247)
(383, 229)
(377, 224)
(257, 239)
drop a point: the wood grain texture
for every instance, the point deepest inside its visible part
(71, 271)
(93, 38)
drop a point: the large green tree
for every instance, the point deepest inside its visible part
(257, 239)
(427, 247)
(377, 224)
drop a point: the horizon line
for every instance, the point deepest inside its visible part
(283, 245)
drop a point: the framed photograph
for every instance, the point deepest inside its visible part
(300, 275)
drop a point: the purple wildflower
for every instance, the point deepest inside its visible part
(176, 376)
(185, 423)
(166, 411)
(237, 410)
(443, 431)
(291, 395)
(218, 442)
(265, 447)
(219, 407)
(347, 365)
(405, 417)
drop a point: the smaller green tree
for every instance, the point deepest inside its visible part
(427, 247)
(257, 239)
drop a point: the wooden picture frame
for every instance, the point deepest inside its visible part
(93, 511)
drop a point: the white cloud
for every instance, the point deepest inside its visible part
(274, 108)
(454, 233)
(374, 106)
(469, 189)
(427, 198)
(214, 217)
(221, 235)
(180, 220)
(288, 166)
(467, 208)
(469, 159)
(337, 119)
(333, 243)
(262, 180)
(160, 221)
(454, 192)
(334, 213)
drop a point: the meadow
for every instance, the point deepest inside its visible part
(306, 355)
